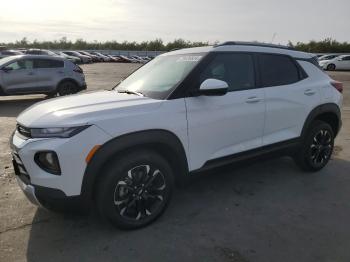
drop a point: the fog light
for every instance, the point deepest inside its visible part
(48, 161)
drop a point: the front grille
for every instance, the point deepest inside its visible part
(24, 131)
(19, 168)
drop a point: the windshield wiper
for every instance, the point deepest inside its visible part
(130, 92)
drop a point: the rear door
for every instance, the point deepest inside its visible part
(48, 73)
(290, 95)
(21, 78)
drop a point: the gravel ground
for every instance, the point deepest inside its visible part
(264, 211)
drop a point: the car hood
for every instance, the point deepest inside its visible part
(88, 108)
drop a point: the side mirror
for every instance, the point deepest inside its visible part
(213, 87)
(7, 69)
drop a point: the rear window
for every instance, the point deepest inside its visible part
(47, 63)
(277, 70)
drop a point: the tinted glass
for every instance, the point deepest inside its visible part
(47, 63)
(277, 70)
(21, 64)
(346, 58)
(235, 69)
(33, 52)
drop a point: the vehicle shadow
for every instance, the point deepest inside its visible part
(263, 211)
(12, 107)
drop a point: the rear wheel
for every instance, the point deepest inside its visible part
(317, 147)
(331, 67)
(67, 88)
(135, 189)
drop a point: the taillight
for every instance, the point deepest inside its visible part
(78, 69)
(337, 85)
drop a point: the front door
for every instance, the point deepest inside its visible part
(344, 63)
(21, 78)
(220, 126)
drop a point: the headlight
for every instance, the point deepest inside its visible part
(59, 132)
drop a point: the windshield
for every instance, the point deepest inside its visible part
(159, 77)
(5, 60)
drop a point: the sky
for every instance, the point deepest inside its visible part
(195, 20)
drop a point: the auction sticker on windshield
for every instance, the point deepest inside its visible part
(189, 59)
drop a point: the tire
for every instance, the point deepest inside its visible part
(51, 95)
(317, 147)
(67, 88)
(2, 93)
(331, 67)
(135, 189)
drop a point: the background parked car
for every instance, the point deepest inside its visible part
(39, 52)
(339, 63)
(94, 58)
(327, 57)
(33, 74)
(102, 56)
(113, 59)
(124, 59)
(6, 53)
(84, 58)
(74, 59)
(139, 59)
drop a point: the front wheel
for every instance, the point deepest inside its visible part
(135, 189)
(317, 147)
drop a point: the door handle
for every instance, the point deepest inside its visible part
(309, 92)
(253, 99)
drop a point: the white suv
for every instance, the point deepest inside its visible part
(185, 111)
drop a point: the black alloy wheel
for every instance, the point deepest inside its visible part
(135, 189)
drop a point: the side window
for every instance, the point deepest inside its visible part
(277, 70)
(346, 58)
(21, 64)
(47, 63)
(235, 69)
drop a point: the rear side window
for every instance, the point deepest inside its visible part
(237, 70)
(277, 70)
(47, 63)
(33, 52)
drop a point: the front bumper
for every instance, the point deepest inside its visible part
(82, 87)
(71, 154)
(323, 66)
(29, 192)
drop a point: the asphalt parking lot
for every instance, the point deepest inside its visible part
(261, 211)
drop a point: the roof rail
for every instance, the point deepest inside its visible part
(254, 44)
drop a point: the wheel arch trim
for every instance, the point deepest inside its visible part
(319, 110)
(141, 139)
(67, 79)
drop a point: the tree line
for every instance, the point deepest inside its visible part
(327, 45)
(80, 44)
